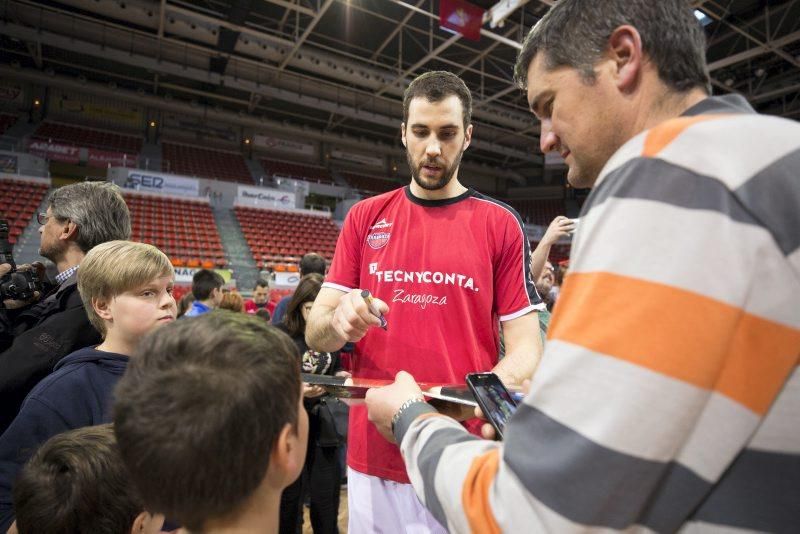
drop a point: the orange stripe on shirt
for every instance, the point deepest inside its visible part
(666, 132)
(475, 493)
(678, 333)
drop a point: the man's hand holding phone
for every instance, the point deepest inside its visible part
(487, 429)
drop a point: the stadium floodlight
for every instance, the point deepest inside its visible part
(498, 13)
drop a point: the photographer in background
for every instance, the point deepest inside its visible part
(36, 334)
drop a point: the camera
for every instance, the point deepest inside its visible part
(15, 285)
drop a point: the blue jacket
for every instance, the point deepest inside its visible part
(78, 393)
(198, 308)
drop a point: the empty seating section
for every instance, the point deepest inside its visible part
(537, 211)
(308, 173)
(278, 239)
(6, 122)
(88, 137)
(204, 162)
(184, 229)
(19, 201)
(370, 183)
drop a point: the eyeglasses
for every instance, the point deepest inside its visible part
(41, 218)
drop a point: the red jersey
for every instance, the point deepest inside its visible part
(449, 270)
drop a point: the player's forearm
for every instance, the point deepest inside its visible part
(320, 333)
(520, 362)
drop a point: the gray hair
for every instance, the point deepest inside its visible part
(575, 33)
(97, 208)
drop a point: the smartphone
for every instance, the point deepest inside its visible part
(495, 401)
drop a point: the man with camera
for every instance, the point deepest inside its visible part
(50, 322)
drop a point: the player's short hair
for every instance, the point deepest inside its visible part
(199, 409)
(76, 482)
(434, 87)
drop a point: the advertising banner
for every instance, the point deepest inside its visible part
(120, 114)
(461, 17)
(54, 151)
(261, 197)
(162, 183)
(274, 143)
(183, 275)
(356, 158)
(11, 92)
(104, 158)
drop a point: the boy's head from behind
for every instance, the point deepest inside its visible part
(77, 482)
(207, 286)
(210, 413)
(127, 286)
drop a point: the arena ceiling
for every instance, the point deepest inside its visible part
(339, 66)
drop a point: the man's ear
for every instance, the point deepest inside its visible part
(403, 134)
(102, 308)
(627, 57)
(467, 136)
(69, 230)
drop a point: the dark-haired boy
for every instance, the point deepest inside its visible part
(210, 422)
(76, 482)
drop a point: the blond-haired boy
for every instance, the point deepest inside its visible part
(126, 288)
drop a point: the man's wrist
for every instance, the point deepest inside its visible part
(407, 413)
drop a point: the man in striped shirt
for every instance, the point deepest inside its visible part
(668, 395)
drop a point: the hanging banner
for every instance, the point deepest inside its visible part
(104, 158)
(356, 158)
(274, 143)
(54, 151)
(261, 197)
(120, 113)
(162, 183)
(461, 17)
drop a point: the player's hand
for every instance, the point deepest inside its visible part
(560, 227)
(487, 430)
(346, 374)
(383, 403)
(352, 317)
(311, 392)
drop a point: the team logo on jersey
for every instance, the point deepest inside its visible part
(378, 240)
(381, 225)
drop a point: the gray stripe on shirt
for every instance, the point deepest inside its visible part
(428, 461)
(594, 485)
(773, 196)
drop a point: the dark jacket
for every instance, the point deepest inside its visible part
(34, 339)
(77, 394)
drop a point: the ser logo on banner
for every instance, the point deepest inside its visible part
(143, 180)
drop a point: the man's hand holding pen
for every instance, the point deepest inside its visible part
(356, 313)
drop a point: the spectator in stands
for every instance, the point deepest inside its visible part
(219, 461)
(233, 301)
(560, 227)
(185, 304)
(126, 289)
(260, 298)
(667, 399)
(34, 336)
(450, 284)
(544, 286)
(322, 472)
(76, 482)
(207, 291)
(309, 263)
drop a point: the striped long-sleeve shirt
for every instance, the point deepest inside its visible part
(668, 396)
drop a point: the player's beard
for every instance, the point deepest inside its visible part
(444, 178)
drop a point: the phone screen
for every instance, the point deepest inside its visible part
(494, 399)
